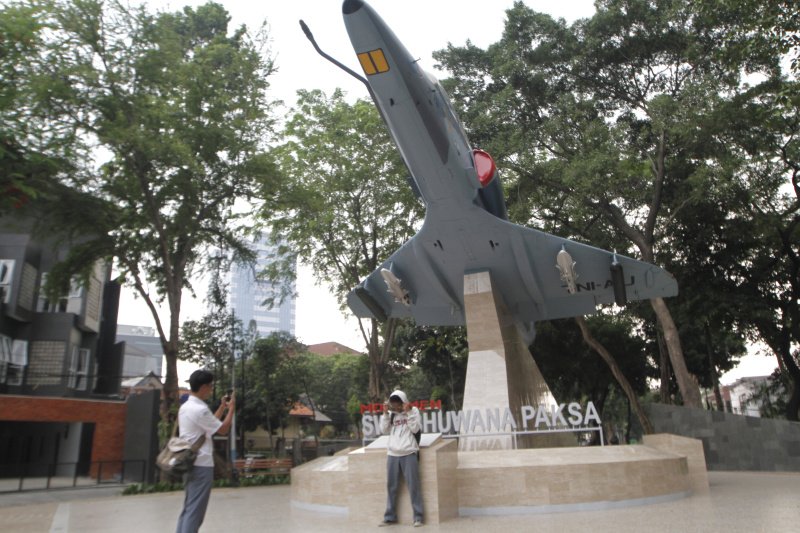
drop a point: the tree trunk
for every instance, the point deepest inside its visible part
(452, 382)
(664, 368)
(379, 358)
(170, 381)
(268, 426)
(793, 405)
(712, 369)
(375, 353)
(687, 383)
(647, 427)
(628, 427)
(171, 355)
(375, 369)
(386, 352)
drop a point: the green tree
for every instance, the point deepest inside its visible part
(756, 26)
(575, 371)
(603, 126)
(271, 390)
(32, 150)
(431, 363)
(752, 242)
(178, 105)
(346, 204)
(770, 276)
(212, 342)
(334, 380)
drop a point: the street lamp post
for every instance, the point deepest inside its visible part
(233, 386)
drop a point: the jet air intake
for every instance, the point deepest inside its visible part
(491, 195)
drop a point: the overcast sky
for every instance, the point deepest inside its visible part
(424, 26)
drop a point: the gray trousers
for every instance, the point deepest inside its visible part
(197, 484)
(408, 465)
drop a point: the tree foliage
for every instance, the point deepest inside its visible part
(430, 362)
(171, 111)
(628, 130)
(346, 204)
(280, 372)
(32, 149)
(270, 392)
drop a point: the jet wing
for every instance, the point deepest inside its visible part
(433, 296)
(535, 282)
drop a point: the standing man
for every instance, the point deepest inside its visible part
(195, 420)
(402, 422)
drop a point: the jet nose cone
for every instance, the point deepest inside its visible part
(351, 6)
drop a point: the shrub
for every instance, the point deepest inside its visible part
(149, 488)
(327, 432)
(255, 481)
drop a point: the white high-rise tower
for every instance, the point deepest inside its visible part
(247, 295)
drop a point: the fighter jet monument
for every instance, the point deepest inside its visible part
(468, 265)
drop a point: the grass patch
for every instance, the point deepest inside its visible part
(150, 488)
(163, 486)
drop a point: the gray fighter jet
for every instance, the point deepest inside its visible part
(540, 276)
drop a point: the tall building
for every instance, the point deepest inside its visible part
(247, 296)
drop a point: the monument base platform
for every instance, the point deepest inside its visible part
(457, 483)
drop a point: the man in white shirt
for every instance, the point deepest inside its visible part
(195, 420)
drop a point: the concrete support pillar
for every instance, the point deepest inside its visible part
(500, 370)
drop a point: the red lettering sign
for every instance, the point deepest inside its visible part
(422, 405)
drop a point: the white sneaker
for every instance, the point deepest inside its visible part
(417, 523)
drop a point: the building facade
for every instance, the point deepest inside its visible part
(247, 295)
(49, 347)
(742, 392)
(60, 368)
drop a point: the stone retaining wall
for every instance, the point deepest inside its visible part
(733, 442)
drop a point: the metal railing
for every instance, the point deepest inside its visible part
(53, 476)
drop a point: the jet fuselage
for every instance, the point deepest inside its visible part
(419, 115)
(539, 276)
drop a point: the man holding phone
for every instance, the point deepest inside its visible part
(402, 421)
(195, 421)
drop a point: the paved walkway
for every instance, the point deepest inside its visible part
(740, 501)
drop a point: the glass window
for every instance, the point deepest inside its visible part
(5, 349)
(79, 368)
(14, 374)
(6, 269)
(19, 352)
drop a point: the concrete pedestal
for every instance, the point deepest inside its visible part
(500, 370)
(353, 483)
(505, 482)
(484, 475)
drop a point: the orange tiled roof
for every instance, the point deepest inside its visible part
(302, 410)
(298, 409)
(331, 348)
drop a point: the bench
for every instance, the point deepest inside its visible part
(253, 466)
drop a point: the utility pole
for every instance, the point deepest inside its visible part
(241, 429)
(232, 432)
